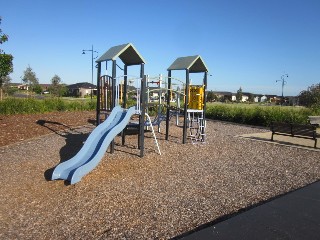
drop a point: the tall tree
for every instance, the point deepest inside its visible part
(30, 78)
(239, 95)
(250, 97)
(55, 85)
(6, 66)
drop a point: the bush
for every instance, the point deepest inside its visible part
(31, 105)
(259, 115)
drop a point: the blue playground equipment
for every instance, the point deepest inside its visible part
(94, 148)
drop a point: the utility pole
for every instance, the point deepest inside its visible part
(92, 58)
(284, 82)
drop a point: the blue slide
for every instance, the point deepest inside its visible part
(94, 148)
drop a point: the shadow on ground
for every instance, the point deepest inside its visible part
(73, 137)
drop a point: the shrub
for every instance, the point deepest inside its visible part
(32, 105)
(259, 115)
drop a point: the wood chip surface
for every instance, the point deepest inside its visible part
(128, 197)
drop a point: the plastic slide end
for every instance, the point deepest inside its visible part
(55, 176)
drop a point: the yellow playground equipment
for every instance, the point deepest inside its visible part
(196, 97)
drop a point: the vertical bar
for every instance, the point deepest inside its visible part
(113, 101)
(142, 70)
(125, 87)
(124, 97)
(168, 104)
(142, 115)
(98, 94)
(184, 138)
(205, 81)
(114, 75)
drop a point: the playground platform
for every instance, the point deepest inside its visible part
(295, 215)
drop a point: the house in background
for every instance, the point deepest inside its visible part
(244, 97)
(223, 96)
(263, 98)
(82, 89)
(45, 87)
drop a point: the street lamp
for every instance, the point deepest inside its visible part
(92, 58)
(283, 83)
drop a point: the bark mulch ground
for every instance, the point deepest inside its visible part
(128, 197)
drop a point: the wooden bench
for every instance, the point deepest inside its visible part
(314, 120)
(295, 130)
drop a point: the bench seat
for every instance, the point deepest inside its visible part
(295, 130)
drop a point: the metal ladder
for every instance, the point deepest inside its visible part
(196, 127)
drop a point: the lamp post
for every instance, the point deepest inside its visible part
(92, 58)
(283, 83)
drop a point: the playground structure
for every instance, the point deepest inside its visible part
(113, 93)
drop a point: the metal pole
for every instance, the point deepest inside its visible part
(142, 115)
(168, 104)
(91, 71)
(283, 82)
(184, 139)
(98, 94)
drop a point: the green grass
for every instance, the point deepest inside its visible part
(10, 106)
(259, 115)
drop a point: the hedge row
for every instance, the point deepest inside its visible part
(31, 105)
(260, 115)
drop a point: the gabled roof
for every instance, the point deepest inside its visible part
(126, 52)
(82, 85)
(193, 63)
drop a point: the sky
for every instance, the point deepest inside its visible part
(244, 43)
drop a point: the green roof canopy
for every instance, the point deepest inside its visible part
(126, 52)
(194, 64)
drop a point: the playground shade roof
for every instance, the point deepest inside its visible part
(193, 63)
(126, 52)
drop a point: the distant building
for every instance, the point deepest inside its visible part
(82, 89)
(222, 95)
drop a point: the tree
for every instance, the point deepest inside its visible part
(30, 78)
(55, 85)
(250, 97)
(311, 96)
(37, 88)
(211, 97)
(6, 66)
(239, 95)
(6, 83)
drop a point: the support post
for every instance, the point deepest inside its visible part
(125, 88)
(184, 138)
(142, 70)
(168, 104)
(113, 100)
(98, 94)
(114, 75)
(142, 115)
(205, 81)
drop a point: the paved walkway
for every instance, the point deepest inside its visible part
(295, 215)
